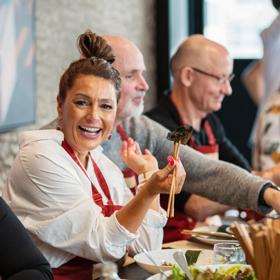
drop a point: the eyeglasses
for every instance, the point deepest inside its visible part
(221, 79)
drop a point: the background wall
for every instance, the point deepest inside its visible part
(58, 23)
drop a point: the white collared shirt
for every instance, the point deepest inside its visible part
(53, 199)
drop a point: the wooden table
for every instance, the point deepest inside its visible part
(133, 272)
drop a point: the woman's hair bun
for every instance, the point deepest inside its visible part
(92, 45)
(276, 4)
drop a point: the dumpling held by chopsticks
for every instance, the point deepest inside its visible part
(181, 134)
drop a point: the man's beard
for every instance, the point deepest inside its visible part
(130, 110)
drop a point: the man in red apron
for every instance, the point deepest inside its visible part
(203, 176)
(202, 71)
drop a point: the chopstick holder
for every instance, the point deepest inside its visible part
(261, 247)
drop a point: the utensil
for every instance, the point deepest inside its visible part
(148, 255)
(211, 234)
(180, 258)
(206, 257)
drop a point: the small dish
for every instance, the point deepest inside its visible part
(207, 239)
(166, 255)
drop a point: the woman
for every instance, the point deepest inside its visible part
(70, 196)
(19, 258)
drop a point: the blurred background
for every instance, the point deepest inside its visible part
(41, 36)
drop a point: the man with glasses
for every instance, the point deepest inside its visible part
(202, 72)
(215, 180)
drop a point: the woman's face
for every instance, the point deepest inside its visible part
(88, 113)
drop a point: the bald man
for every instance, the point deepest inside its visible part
(130, 64)
(202, 71)
(216, 180)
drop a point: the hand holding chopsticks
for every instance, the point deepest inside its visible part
(181, 135)
(170, 207)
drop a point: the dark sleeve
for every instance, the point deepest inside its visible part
(162, 117)
(19, 258)
(181, 199)
(227, 151)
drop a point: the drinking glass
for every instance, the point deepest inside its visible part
(228, 252)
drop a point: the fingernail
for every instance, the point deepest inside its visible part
(171, 160)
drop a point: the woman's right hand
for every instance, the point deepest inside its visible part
(136, 160)
(160, 181)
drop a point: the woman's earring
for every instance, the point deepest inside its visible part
(58, 123)
(110, 136)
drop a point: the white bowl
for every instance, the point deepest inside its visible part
(166, 255)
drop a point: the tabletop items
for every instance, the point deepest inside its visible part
(110, 271)
(208, 233)
(180, 135)
(261, 243)
(163, 260)
(229, 253)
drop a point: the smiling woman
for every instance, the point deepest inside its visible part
(68, 194)
(87, 114)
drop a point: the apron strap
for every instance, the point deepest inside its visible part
(108, 209)
(122, 133)
(212, 147)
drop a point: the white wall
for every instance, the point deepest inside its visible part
(58, 23)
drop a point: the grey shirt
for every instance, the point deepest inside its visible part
(217, 180)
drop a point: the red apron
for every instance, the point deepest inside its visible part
(130, 176)
(80, 268)
(212, 149)
(180, 221)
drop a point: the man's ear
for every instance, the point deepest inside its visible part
(186, 76)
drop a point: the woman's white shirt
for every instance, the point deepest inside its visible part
(52, 197)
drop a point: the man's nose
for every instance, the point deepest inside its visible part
(142, 84)
(226, 88)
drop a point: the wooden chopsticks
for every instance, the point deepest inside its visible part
(261, 246)
(181, 135)
(210, 234)
(171, 199)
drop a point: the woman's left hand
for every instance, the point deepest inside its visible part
(137, 161)
(161, 181)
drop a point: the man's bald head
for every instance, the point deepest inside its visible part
(196, 51)
(129, 62)
(202, 73)
(124, 50)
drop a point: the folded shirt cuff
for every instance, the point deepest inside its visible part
(155, 219)
(118, 235)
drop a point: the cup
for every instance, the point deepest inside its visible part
(228, 252)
